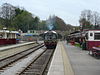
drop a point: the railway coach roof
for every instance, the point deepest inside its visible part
(7, 31)
(75, 32)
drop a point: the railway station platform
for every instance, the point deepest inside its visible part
(72, 60)
(9, 50)
(60, 64)
(13, 46)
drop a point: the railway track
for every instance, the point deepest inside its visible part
(40, 65)
(10, 60)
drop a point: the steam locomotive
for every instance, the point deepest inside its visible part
(50, 39)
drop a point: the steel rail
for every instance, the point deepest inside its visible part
(9, 60)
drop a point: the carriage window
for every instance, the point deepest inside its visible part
(97, 36)
(1, 35)
(91, 34)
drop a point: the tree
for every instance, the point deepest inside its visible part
(23, 21)
(7, 13)
(18, 11)
(89, 19)
(36, 23)
(42, 25)
(96, 19)
(84, 24)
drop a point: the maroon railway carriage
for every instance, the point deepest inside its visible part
(93, 42)
(93, 39)
(8, 37)
(89, 40)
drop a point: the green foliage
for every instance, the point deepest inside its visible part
(36, 23)
(18, 11)
(42, 25)
(1, 26)
(78, 45)
(11, 29)
(21, 19)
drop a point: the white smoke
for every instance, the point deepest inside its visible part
(50, 27)
(50, 22)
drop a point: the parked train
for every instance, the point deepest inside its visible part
(8, 37)
(89, 40)
(90, 37)
(50, 39)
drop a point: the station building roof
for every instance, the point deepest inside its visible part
(7, 31)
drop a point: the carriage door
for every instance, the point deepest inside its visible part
(91, 36)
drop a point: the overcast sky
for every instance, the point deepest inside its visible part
(68, 10)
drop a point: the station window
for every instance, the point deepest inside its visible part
(97, 36)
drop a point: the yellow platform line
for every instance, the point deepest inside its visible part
(67, 66)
